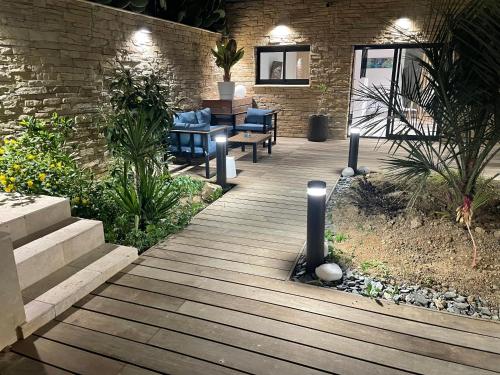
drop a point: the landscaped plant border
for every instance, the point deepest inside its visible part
(377, 288)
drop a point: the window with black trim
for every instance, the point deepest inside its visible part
(283, 65)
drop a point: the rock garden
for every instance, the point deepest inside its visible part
(388, 246)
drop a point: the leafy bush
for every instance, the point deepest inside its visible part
(38, 161)
(188, 185)
(142, 90)
(136, 212)
(119, 222)
(136, 132)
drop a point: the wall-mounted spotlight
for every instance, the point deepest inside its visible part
(146, 29)
(403, 23)
(143, 35)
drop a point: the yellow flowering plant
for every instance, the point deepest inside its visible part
(39, 160)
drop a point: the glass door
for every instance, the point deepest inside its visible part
(390, 70)
(417, 122)
(372, 67)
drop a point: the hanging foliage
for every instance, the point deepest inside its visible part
(205, 14)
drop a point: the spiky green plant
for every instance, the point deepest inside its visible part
(137, 138)
(148, 197)
(456, 84)
(227, 55)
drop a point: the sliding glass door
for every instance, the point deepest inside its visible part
(389, 69)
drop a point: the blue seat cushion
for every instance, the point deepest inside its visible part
(252, 127)
(198, 150)
(186, 117)
(258, 116)
(185, 138)
(204, 116)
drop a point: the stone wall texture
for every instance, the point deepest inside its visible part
(332, 28)
(55, 56)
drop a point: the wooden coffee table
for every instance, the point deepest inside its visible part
(254, 139)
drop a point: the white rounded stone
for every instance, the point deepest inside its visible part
(329, 272)
(347, 172)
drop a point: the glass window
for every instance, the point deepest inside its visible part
(271, 65)
(283, 65)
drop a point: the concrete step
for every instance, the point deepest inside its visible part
(53, 295)
(21, 216)
(39, 258)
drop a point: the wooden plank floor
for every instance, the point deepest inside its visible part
(215, 298)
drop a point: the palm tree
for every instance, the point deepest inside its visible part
(456, 84)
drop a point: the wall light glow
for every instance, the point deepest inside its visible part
(404, 23)
(146, 30)
(143, 36)
(280, 31)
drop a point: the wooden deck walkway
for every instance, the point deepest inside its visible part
(214, 299)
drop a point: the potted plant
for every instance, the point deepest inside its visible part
(226, 56)
(318, 123)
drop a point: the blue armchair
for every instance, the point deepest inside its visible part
(259, 120)
(192, 136)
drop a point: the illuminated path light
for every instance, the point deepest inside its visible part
(353, 149)
(316, 208)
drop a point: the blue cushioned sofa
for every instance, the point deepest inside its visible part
(192, 136)
(259, 120)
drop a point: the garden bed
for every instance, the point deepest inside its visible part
(415, 256)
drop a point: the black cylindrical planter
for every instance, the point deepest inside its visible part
(318, 128)
(353, 149)
(316, 208)
(221, 160)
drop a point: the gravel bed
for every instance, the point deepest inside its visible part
(358, 283)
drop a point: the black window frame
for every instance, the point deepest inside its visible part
(284, 49)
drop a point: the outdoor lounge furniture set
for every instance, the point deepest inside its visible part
(193, 134)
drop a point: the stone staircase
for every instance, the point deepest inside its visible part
(59, 259)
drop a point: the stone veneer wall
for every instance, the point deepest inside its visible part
(55, 56)
(332, 31)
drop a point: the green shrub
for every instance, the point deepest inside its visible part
(119, 222)
(38, 161)
(188, 186)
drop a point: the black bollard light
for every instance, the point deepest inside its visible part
(221, 142)
(353, 149)
(316, 208)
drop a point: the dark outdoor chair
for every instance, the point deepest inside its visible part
(260, 121)
(192, 136)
